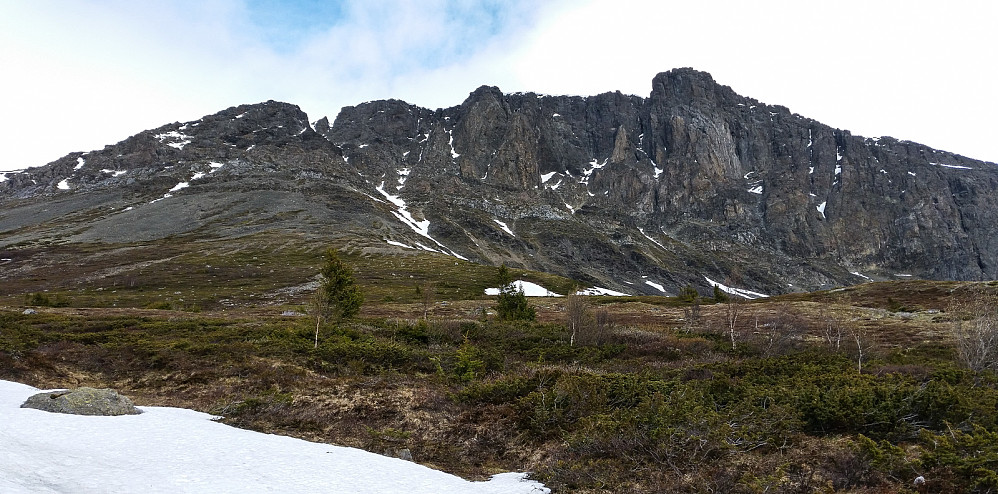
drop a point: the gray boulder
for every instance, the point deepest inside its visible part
(83, 401)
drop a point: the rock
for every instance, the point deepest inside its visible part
(83, 401)
(612, 190)
(29, 312)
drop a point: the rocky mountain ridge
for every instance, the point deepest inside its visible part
(693, 184)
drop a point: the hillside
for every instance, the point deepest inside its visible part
(806, 310)
(692, 185)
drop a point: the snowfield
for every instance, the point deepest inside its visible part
(529, 289)
(170, 450)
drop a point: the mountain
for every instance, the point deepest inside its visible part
(692, 185)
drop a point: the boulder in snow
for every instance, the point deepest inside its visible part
(83, 401)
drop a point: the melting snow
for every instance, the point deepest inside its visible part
(911, 173)
(453, 153)
(756, 190)
(601, 291)
(555, 115)
(420, 227)
(399, 244)
(181, 185)
(79, 163)
(593, 166)
(736, 291)
(655, 285)
(547, 176)
(179, 140)
(116, 173)
(166, 449)
(403, 176)
(504, 227)
(958, 167)
(838, 169)
(861, 275)
(64, 185)
(529, 289)
(821, 208)
(649, 238)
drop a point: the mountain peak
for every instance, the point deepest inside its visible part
(638, 195)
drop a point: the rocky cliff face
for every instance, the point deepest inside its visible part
(693, 184)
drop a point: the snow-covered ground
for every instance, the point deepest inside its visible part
(170, 450)
(529, 289)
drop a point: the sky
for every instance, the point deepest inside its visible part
(81, 74)
(173, 450)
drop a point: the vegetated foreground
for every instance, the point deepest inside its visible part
(870, 388)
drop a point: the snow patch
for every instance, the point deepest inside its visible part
(652, 240)
(79, 163)
(453, 153)
(399, 244)
(504, 227)
(748, 294)
(420, 227)
(596, 290)
(593, 166)
(547, 176)
(177, 139)
(956, 167)
(181, 185)
(655, 285)
(821, 208)
(529, 289)
(166, 449)
(64, 185)
(756, 190)
(861, 275)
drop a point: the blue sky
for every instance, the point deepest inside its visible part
(80, 74)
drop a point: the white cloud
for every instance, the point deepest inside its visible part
(84, 74)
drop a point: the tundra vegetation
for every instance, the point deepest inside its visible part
(858, 389)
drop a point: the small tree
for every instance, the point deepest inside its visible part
(427, 295)
(337, 297)
(576, 314)
(731, 313)
(977, 337)
(512, 302)
(691, 312)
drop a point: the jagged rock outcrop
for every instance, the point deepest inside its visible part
(83, 401)
(692, 183)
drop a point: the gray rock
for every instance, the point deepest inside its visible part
(83, 401)
(29, 312)
(613, 190)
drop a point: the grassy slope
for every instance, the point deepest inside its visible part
(663, 403)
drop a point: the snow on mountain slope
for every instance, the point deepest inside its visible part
(176, 450)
